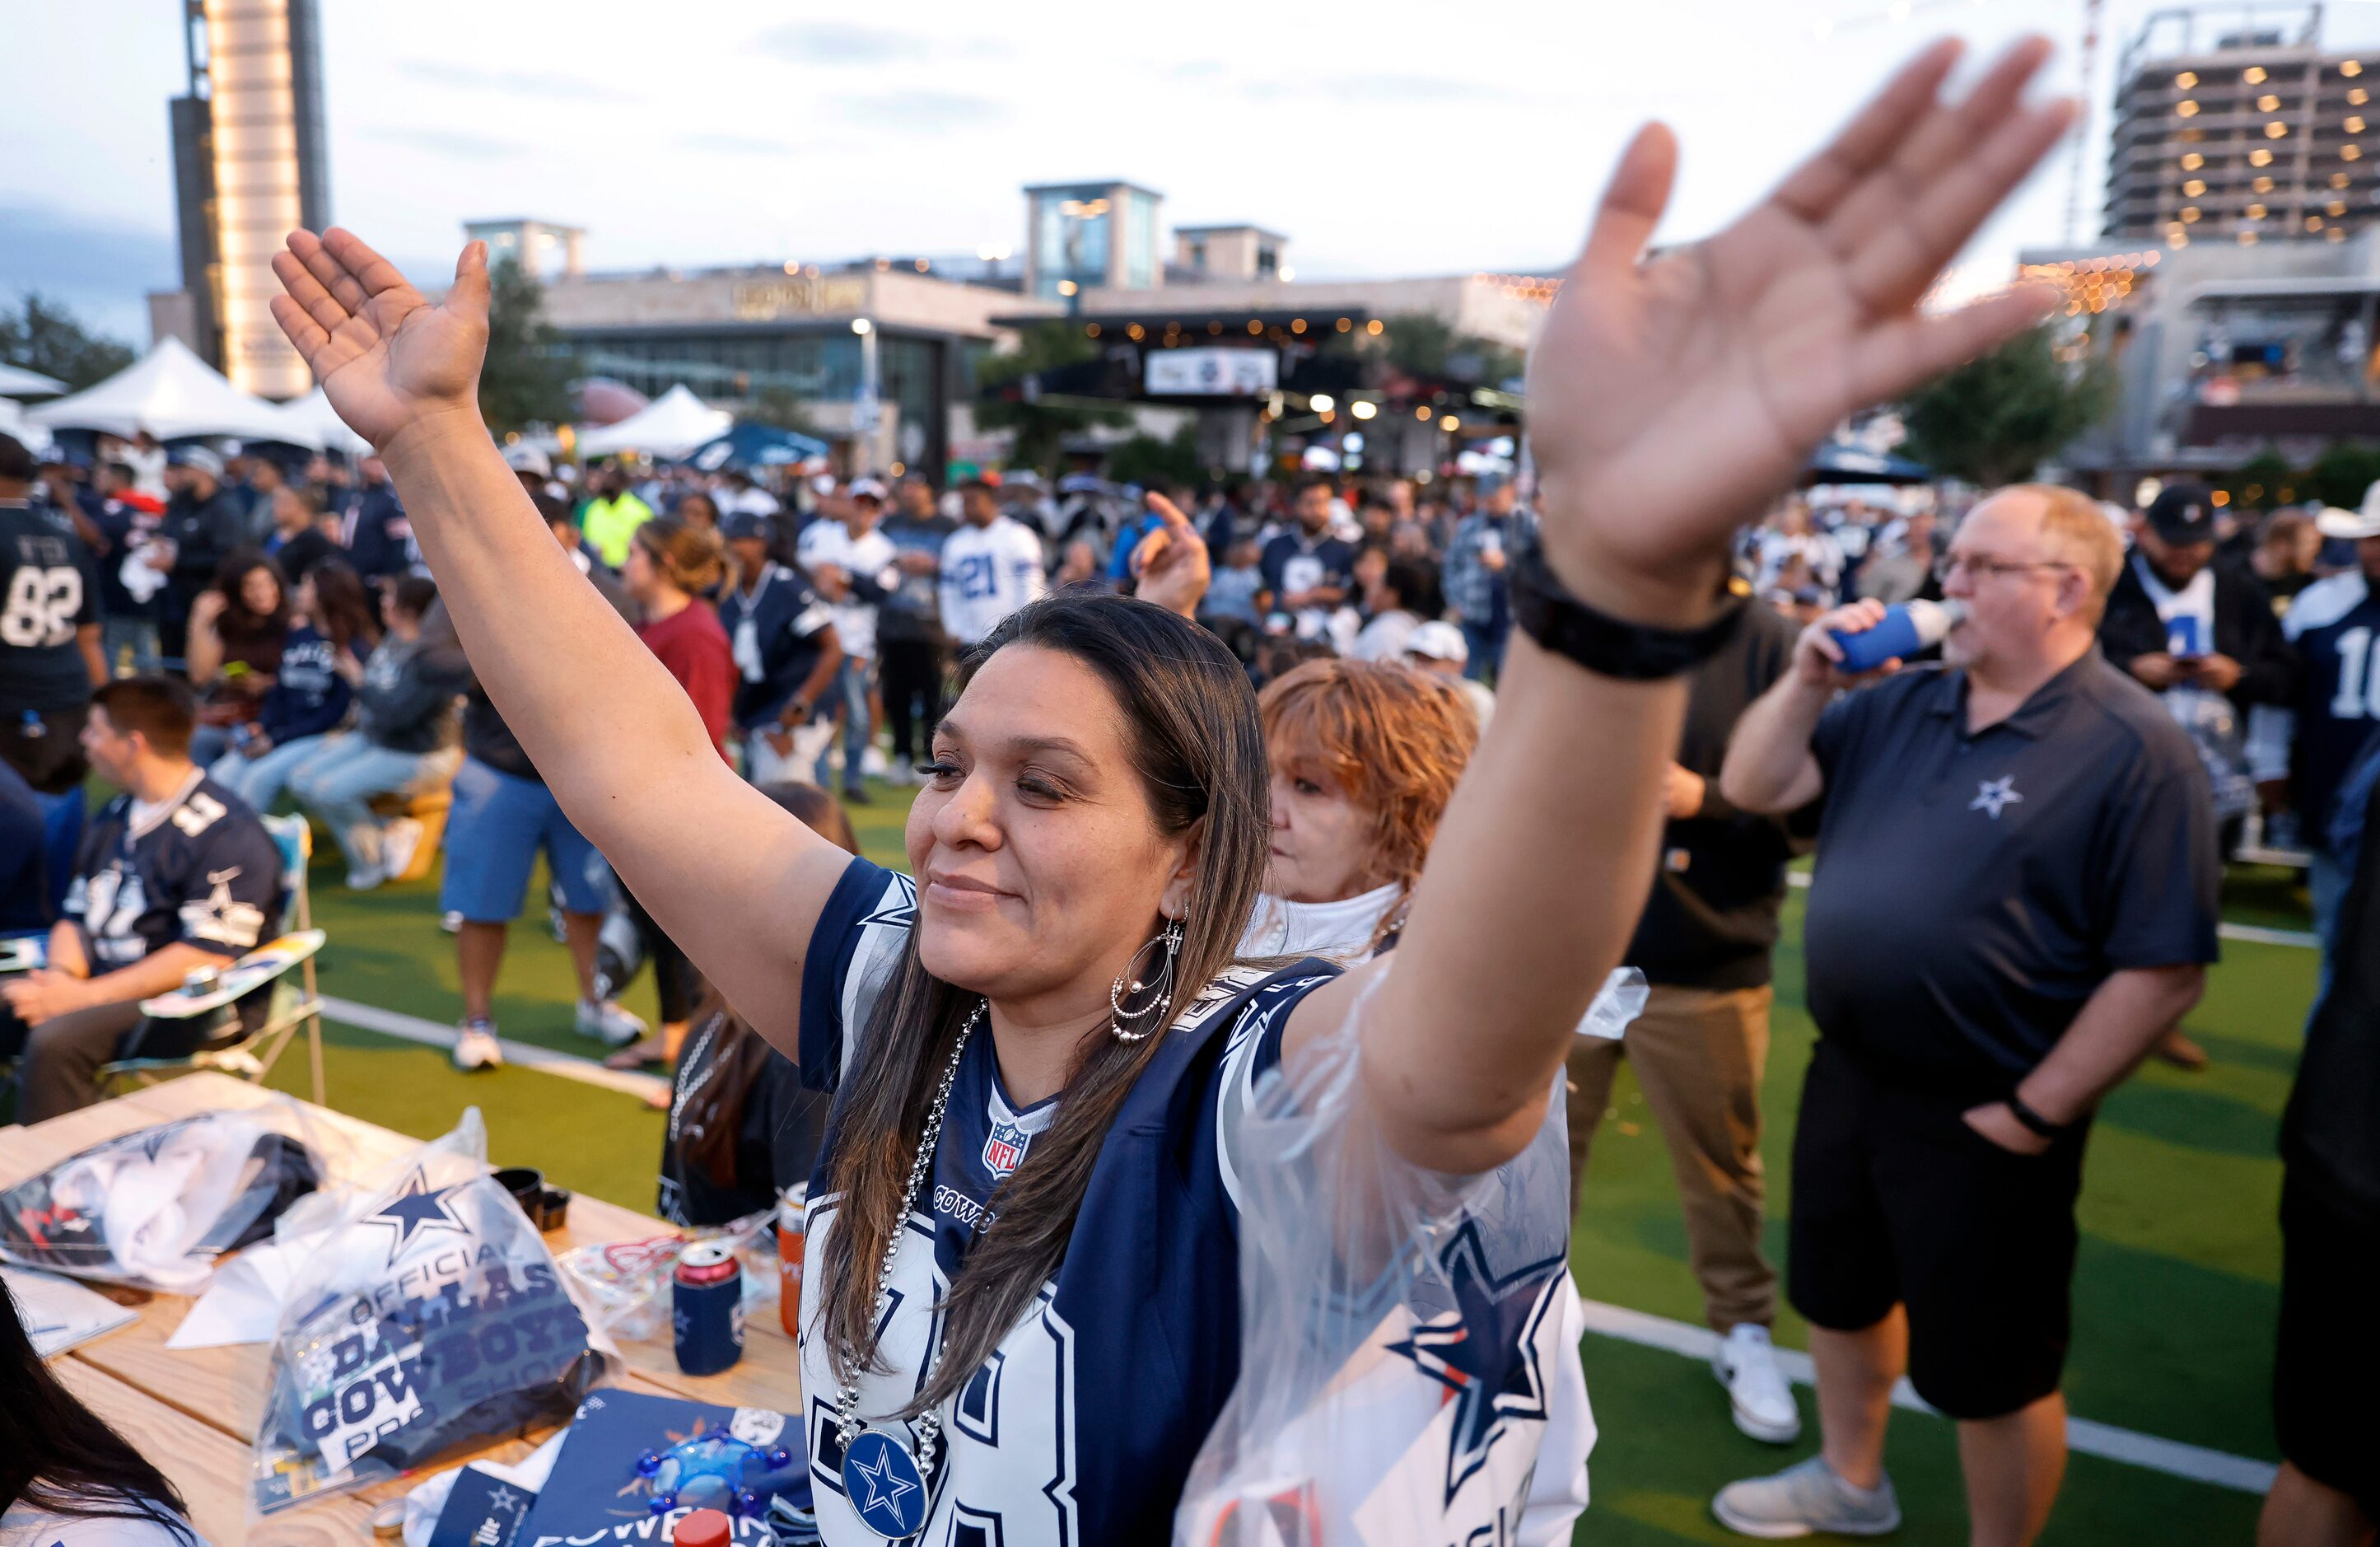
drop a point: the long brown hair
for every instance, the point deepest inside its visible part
(1196, 744)
(343, 611)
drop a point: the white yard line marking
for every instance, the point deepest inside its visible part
(545, 1060)
(2195, 1462)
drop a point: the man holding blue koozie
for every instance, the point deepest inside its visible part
(2014, 898)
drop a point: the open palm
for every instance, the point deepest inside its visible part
(1670, 400)
(386, 356)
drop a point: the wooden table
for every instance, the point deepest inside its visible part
(194, 1412)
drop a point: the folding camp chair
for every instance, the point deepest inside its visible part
(250, 1055)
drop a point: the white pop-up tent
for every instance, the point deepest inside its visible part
(12, 423)
(311, 421)
(172, 393)
(17, 382)
(671, 425)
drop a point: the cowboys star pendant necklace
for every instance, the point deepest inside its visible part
(885, 1479)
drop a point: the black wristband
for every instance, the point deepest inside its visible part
(1605, 645)
(2032, 1119)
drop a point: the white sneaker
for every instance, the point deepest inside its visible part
(365, 878)
(477, 1047)
(1758, 1392)
(609, 1023)
(1804, 1500)
(400, 839)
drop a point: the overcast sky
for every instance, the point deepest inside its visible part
(1391, 137)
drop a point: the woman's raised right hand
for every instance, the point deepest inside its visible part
(386, 357)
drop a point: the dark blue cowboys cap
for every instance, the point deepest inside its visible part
(744, 523)
(2183, 514)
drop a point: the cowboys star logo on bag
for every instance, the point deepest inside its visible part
(1004, 1149)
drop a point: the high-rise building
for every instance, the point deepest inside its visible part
(1085, 235)
(250, 162)
(2248, 134)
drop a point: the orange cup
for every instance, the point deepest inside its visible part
(789, 1258)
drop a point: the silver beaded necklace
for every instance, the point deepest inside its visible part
(885, 1479)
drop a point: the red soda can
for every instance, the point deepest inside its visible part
(707, 1295)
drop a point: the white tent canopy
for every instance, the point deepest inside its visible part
(671, 425)
(311, 421)
(12, 422)
(171, 393)
(17, 382)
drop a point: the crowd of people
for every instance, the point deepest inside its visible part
(1306, 775)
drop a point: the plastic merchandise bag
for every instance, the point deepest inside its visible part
(626, 1285)
(1409, 1340)
(425, 1316)
(156, 1207)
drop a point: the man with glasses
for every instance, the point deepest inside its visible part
(2014, 899)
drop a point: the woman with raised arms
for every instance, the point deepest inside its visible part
(1023, 1309)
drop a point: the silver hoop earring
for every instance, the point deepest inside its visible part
(1151, 1014)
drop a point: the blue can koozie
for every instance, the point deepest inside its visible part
(706, 1302)
(1906, 630)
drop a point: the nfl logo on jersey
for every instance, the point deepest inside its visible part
(1004, 1149)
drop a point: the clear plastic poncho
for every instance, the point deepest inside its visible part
(1409, 1346)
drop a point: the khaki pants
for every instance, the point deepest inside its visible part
(1698, 1054)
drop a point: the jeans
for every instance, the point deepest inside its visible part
(851, 683)
(337, 780)
(138, 635)
(258, 780)
(1486, 646)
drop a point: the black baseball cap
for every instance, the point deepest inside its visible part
(744, 523)
(2183, 514)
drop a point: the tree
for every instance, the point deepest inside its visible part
(46, 337)
(1422, 343)
(1155, 464)
(1993, 419)
(780, 410)
(1041, 423)
(2263, 481)
(2341, 474)
(527, 377)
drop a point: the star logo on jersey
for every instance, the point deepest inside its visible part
(1004, 1149)
(1483, 1350)
(898, 909)
(416, 1208)
(1993, 795)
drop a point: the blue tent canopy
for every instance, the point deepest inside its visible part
(1839, 462)
(747, 444)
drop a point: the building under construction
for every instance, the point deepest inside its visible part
(2235, 124)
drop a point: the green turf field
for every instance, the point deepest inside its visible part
(2175, 1294)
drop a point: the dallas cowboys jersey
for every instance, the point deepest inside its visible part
(988, 573)
(2335, 623)
(49, 588)
(1082, 1426)
(773, 630)
(197, 868)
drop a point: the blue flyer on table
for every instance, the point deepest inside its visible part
(631, 1465)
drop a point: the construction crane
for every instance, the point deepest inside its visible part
(2080, 169)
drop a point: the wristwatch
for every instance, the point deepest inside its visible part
(1605, 645)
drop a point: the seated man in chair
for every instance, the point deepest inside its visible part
(177, 874)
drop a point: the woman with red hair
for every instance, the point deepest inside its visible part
(1364, 756)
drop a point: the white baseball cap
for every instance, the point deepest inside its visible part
(2353, 525)
(1439, 641)
(868, 488)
